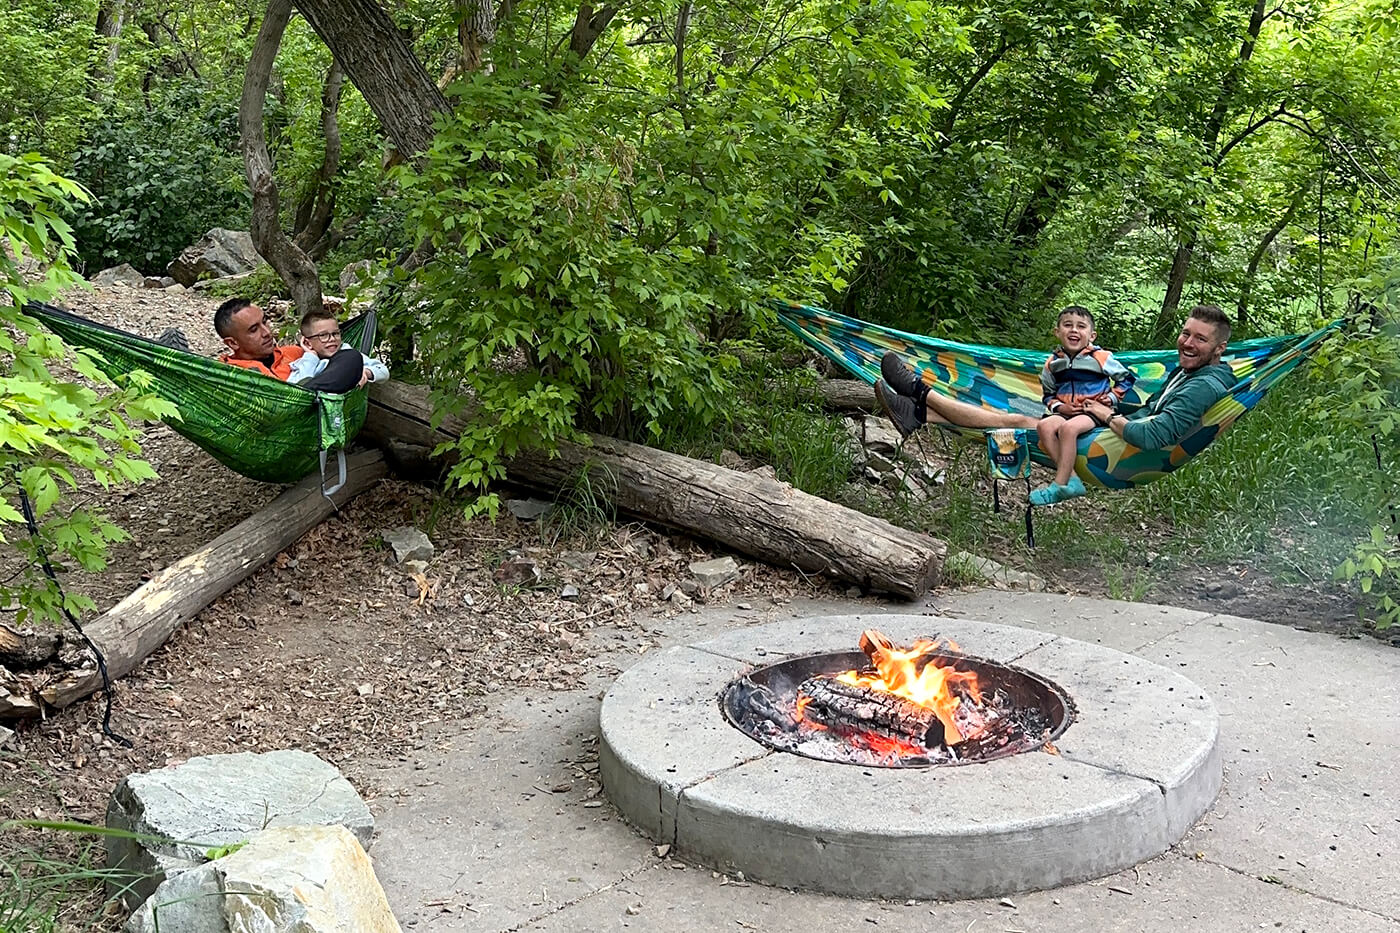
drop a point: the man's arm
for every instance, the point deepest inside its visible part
(1178, 417)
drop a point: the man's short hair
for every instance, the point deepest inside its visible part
(316, 314)
(1077, 311)
(1214, 317)
(223, 315)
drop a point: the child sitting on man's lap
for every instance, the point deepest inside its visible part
(320, 337)
(1077, 372)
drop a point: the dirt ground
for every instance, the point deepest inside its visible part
(335, 648)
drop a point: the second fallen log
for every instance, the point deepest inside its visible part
(752, 514)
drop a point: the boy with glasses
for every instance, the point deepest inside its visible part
(320, 338)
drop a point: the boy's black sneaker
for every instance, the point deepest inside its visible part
(901, 410)
(901, 378)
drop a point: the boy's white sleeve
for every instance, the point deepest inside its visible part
(378, 372)
(303, 368)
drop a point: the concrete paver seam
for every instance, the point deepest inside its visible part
(1172, 634)
(1337, 901)
(625, 877)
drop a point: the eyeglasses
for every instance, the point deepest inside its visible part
(328, 335)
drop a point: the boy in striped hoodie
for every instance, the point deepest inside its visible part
(1076, 374)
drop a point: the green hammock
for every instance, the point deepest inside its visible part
(255, 425)
(1008, 380)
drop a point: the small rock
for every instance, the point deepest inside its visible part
(415, 566)
(679, 598)
(294, 597)
(468, 600)
(878, 434)
(853, 592)
(1224, 589)
(569, 592)
(518, 571)
(715, 573)
(365, 690)
(668, 590)
(931, 476)
(408, 544)
(641, 589)
(732, 461)
(879, 462)
(746, 606)
(663, 850)
(5, 736)
(579, 560)
(527, 510)
(633, 909)
(123, 274)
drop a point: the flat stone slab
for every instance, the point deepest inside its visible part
(220, 800)
(1133, 773)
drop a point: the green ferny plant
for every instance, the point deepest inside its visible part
(53, 432)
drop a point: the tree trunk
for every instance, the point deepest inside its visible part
(311, 230)
(296, 269)
(1246, 287)
(146, 619)
(382, 66)
(754, 515)
(476, 30)
(110, 17)
(1210, 139)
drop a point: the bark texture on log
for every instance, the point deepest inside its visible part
(754, 515)
(146, 619)
(851, 710)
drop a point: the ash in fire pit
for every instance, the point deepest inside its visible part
(897, 708)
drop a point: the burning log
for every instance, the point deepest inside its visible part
(852, 710)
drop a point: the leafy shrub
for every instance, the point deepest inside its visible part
(52, 432)
(160, 179)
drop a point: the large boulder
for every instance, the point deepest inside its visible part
(302, 879)
(219, 253)
(123, 274)
(220, 800)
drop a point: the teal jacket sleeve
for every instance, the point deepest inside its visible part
(1182, 412)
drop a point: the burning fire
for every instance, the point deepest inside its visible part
(915, 674)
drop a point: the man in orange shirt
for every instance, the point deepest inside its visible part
(243, 328)
(251, 345)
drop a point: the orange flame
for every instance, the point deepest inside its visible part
(927, 684)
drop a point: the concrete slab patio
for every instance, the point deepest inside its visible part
(491, 827)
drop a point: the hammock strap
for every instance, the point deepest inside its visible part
(33, 524)
(330, 425)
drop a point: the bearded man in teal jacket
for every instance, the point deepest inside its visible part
(1198, 382)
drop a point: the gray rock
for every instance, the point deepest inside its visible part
(518, 571)
(986, 570)
(175, 289)
(1224, 589)
(123, 274)
(579, 560)
(877, 434)
(6, 735)
(879, 463)
(302, 879)
(154, 281)
(409, 544)
(569, 592)
(218, 254)
(219, 800)
(527, 510)
(715, 573)
(356, 273)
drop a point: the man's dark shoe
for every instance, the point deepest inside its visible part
(900, 377)
(902, 411)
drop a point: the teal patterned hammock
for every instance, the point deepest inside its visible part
(1008, 380)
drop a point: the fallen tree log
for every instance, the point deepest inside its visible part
(848, 395)
(752, 514)
(146, 619)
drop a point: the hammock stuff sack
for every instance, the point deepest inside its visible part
(1008, 380)
(261, 427)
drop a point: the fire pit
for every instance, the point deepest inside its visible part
(897, 708)
(1053, 804)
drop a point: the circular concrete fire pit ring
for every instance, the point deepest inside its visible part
(1137, 768)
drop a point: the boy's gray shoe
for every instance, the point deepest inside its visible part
(901, 410)
(900, 377)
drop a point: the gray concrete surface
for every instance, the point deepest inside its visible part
(1132, 774)
(492, 828)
